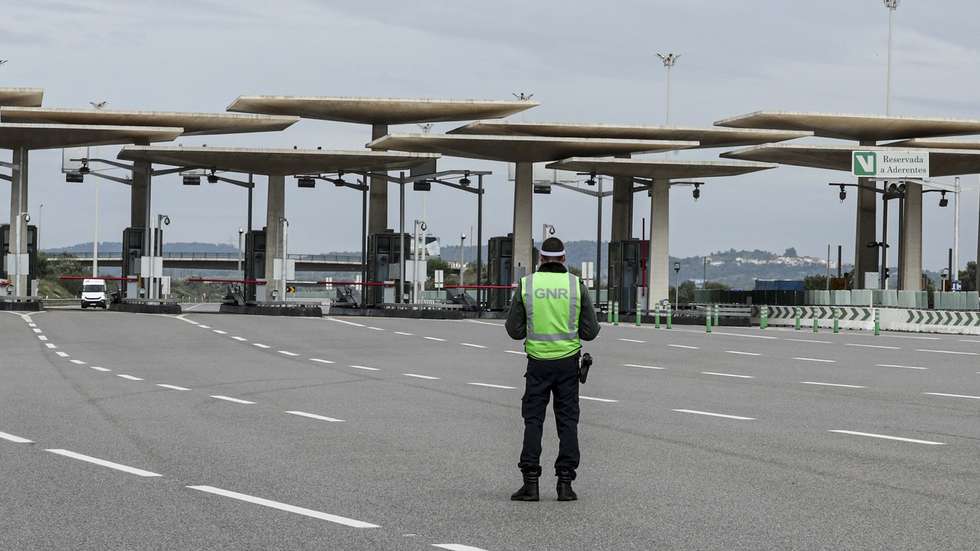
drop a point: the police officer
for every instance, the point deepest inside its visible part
(552, 311)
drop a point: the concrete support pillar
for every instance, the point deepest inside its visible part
(18, 227)
(275, 211)
(523, 213)
(658, 272)
(378, 200)
(910, 246)
(865, 258)
(139, 195)
(622, 207)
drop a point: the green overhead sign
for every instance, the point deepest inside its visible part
(890, 164)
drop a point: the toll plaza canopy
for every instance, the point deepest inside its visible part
(706, 137)
(942, 162)
(862, 128)
(27, 97)
(521, 148)
(51, 136)
(194, 124)
(379, 110)
(280, 162)
(659, 168)
(936, 143)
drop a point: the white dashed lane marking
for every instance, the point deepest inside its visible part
(683, 346)
(375, 328)
(104, 463)
(77, 362)
(365, 368)
(230, 399)
(62, 354)
(285, 507)
(516, 352)
(816, 383)
(437, 339)
(643, 366)
(260, 345)
(204, 326)
(946, 352)
(873, 346)
(901, 366)
(816, 360)
(417, 376)
(471, 345)
(15, 439)
(811, 341)
(456, 547)
(952, 395)
(717, 374)
(49, 345)
(315, 416)
(739, 353)
(403, 333)
(288, 353)
(594, 399)
(220, 332)
(347, 322)
(886, 437)
(172, 387)
(129, 377)
(632, 340)
(42, 338)
(240, 339)
(97, 368)
(488, 385)
(711, 414)
(321, 361)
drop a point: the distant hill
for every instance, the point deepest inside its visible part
(116, 247)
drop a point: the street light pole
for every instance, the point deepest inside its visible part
(285, 256)
(462, 268)
(241, 232)
(892, 5)
(95, 239)
(955, 276)
(668, 60)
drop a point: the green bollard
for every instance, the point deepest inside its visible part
(616, 313)
(656, 317)
(877, 323)
(816, 328)
(796, 314)
(639, 311)
(836, 321)
(670, 317)
(763, 317)
(717, 314)
(609, 311)
(707, 319)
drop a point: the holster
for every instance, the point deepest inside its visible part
(583, 368)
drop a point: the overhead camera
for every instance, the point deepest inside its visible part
(166, 220)
(842, 194)
(697, 192)
(465, 180)
(212, 178)
(943, 201)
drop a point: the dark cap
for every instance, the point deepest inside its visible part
(552, 248)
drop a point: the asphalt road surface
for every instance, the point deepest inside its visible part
(210, 431)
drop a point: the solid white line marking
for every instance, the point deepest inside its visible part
(872, 346)
(488, 385)
(516, 352)
(285, 507)
(456, 547)
(710, 414)
(375, 328)
(366, 368)
(816, 360)
(830, 384)
(434, 339)
(683, 346)
(318, 360)
(261, 345)
(901, 366)
(471, 345)
(346, 322)
(717, 374)
(594, 399)
(952, 395)
(230, 399)
(15, 439)
(813, 341)
(886, 437)
(643, 366)
(129, 377)
(97, 368)
(403, 333)
(417, 376)
(49, 345)
(42, 338)
(62, 354)
(946, 352)
(240, 339)
(288, 353)
(77, 362)
(220, 332)
(743, 353)
(172, 387)
(104, 463)
(315, 416)
(632, 340)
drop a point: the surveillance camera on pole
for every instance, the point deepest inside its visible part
(668, 59)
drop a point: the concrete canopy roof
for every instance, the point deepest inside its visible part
(52, 136)
(27, 97)
(379, 110)
(936, 143)
(707, 137)
(942, 162)
(274, 161)
(193, 123)
(520, 148)
(658, 168)
(855, 127)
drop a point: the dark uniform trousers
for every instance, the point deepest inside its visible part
(543, 379)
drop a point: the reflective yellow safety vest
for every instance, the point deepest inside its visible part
(552, 303)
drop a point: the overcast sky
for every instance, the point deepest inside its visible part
(585, 61)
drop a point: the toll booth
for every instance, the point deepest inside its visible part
(7, 248)
(384, 264)
(254, 263)
(627, 271)
(500, 270)
(132, 254)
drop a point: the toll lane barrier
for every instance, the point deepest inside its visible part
(890, 319)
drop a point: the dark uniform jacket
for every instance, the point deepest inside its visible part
(588, 325)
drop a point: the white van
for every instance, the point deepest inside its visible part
(93, 293)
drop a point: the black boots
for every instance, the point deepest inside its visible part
(529, 491)
(565, 492)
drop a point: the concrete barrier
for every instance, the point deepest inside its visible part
(892, 319)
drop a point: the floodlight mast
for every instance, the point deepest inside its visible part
(892, 5)
(668, 60)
